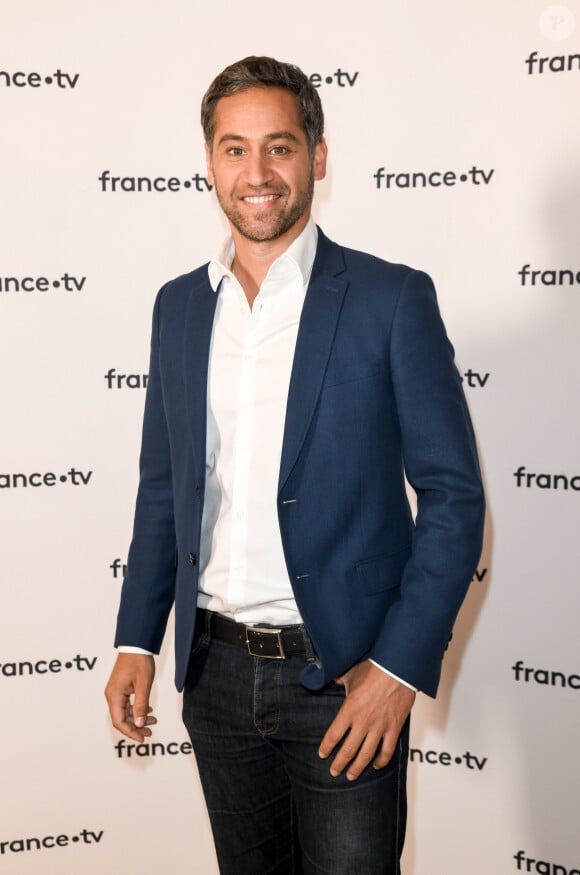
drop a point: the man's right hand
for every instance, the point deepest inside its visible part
(132, 676)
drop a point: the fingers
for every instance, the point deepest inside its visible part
(118, 711)
(140, 723)
(132, 676)
(368, 724)
(386, 752)
(355, 754)
(126, 725)
(334, 734)
(124, 721)
(141, 707)
(365, 756)
(359, 746)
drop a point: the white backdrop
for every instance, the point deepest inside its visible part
(484, 91)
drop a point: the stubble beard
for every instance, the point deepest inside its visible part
(262, 226)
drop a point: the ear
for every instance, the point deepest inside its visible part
(319, 159)
(208, 164)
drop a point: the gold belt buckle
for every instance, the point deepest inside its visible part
(266, 631)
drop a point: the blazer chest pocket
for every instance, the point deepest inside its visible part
(383, 572)
(337, 375)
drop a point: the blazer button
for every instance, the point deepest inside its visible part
(191, 558)
(197, 491)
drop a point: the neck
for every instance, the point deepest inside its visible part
(253, 258)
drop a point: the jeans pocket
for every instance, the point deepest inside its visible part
(198, 650)
(200, 640)
(334, 688)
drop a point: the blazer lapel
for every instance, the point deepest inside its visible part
(196, 345)
(316, 332)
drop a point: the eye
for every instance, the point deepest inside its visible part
(280, 150)
(235, 151)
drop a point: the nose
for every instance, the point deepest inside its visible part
(257, 170)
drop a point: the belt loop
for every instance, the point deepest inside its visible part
(207, 624)
(311, 655)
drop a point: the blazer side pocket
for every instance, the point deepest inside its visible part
(338, 375)
(383, 572)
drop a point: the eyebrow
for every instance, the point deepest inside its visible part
(275, 135)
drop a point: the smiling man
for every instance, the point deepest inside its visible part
(293, 384)
(263, 203)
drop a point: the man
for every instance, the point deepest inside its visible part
(292, 385)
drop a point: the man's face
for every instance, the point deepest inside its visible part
(260, 165)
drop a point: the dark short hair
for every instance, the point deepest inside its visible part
(261, 72)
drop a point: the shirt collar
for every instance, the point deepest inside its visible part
(300, 254)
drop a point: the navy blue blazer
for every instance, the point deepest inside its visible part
(374, 395)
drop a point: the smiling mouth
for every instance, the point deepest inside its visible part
(260, 199)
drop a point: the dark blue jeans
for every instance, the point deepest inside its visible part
(273, 805)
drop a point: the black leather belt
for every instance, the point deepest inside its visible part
(265, 641)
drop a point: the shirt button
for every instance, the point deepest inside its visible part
(191, 558)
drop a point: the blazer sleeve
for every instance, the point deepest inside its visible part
(441, 464)
(149, 586)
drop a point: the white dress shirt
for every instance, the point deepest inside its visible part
(242, 568)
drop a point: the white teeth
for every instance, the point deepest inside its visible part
(262, 199)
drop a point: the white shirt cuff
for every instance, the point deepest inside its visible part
(386, 671)
(125, 648)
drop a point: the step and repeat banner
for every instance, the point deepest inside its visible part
(454, 138)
